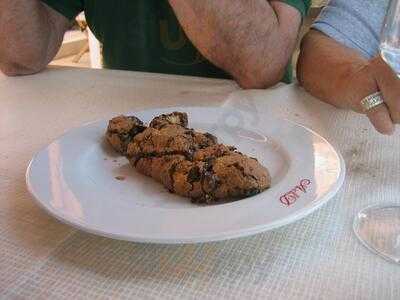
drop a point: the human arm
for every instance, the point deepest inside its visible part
(31, 34)
(251, 40)
(342, 77)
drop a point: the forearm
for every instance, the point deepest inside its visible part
(248, 39)
(29, 36)
(333, 73)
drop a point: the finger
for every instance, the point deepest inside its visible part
(380, 117)
(389, 85)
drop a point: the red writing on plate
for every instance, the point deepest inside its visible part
(291, 197)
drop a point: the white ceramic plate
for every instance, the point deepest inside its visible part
(74, 179)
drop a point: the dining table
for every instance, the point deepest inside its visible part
(318, 257)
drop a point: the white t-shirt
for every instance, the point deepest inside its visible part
(355, 23)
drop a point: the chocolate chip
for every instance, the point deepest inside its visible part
(190, 132)
(213, 138)
(125, 137)
(209, 162)
(194, 174)
(136, 130)
(240, 168)
(136, 120)
(252, 192)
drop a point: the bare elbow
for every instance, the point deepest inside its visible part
(262, 71)
(10, 68)
(266, 66)
(260, 79)
(16, 61)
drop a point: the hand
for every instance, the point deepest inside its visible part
(376, 75)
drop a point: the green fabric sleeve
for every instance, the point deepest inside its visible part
(68, 8)
(301, 5)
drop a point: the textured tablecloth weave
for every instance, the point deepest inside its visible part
(315, 258)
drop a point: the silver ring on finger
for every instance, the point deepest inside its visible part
(372, 101)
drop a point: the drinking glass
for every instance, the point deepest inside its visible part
(378, 227)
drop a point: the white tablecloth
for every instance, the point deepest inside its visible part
(315, 258)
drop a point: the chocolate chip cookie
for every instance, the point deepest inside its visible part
(187, 162)
(121, 131)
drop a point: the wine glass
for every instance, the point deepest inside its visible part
(390, 37)
(378, 227)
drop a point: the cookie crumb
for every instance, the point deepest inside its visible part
(120, 177)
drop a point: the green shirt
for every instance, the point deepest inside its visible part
(145, 35)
